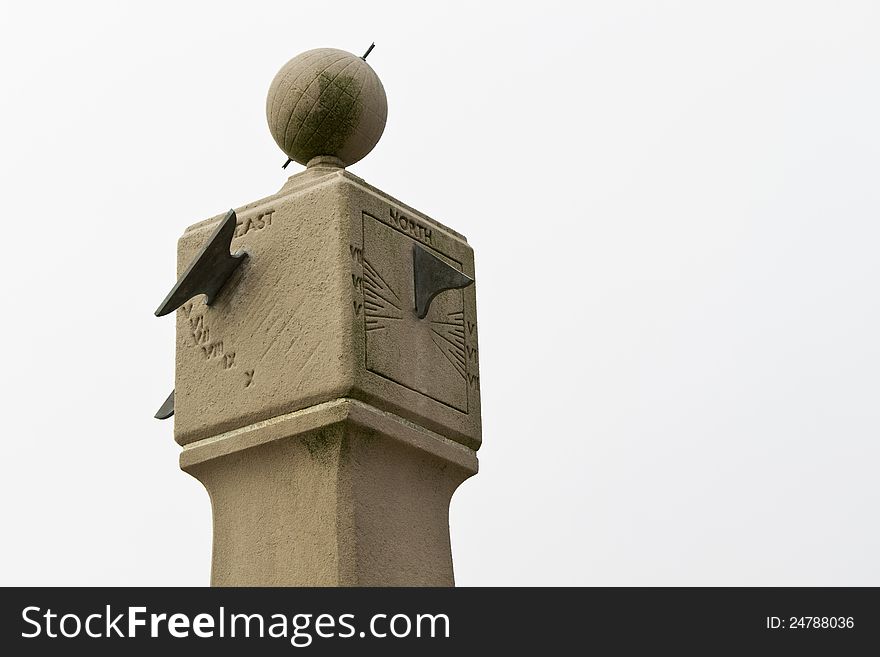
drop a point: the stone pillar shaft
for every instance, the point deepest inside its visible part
(338, 494)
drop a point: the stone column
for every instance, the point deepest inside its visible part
(328, 422)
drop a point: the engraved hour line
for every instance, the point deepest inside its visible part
(375, 297)
(308, 360)
(377, 304)
(274, 322)
(459, 355)
(372, 270)
(374, 286)
(255, 322)
(296, 336)
(274, 318)
(379, 313)
(453, 347)
(451, 354)
(454, 363)
(459, 333)
(459, 344)
(374, 312)
(266, 316)
(257, 302)
(277, 335)
(369, 290)
(457, 327)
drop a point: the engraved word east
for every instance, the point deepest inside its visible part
(261, 221)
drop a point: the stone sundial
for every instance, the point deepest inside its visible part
(320, 331)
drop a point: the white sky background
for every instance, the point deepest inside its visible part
(674, 208)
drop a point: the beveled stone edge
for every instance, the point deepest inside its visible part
(324, 414)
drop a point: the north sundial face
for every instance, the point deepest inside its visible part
(399, 345)
(434, 359)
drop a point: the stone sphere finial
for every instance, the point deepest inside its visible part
(326, 103)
